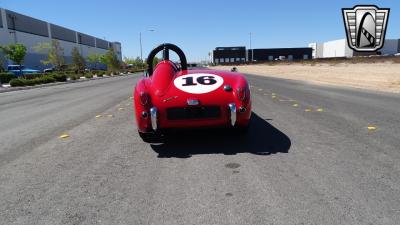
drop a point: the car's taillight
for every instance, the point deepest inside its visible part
(144, 98)
(241, 94)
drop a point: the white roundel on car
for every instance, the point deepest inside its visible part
(198, 83)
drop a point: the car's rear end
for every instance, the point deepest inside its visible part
(174, 107)
(215, 109)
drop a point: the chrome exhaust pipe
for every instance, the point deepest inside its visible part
(153, 115)
(232, 108)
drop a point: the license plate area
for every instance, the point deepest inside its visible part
(195, 112)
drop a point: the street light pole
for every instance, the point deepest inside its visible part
(141, 51)
(140, 41)
(252, 51)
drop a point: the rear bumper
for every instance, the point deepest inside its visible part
(155, 116)
(230, 116)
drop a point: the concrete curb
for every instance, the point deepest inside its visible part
(10, 89)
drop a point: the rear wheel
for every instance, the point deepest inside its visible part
(150, 137)
(241, 130)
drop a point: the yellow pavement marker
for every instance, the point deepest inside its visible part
(120, 109)
(295, 105)
(63, 136)
(308, 110)
(371, 128)
(273, 96)
(109, 115)
(260, 89)
(286, 100)
(265, 94)
(98, 116)
(320, 110)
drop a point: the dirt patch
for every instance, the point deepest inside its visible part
(382, 76)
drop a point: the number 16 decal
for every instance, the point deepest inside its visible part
(203, 80)
(198, 83)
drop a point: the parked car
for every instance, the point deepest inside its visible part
(48, 70)
(19, 70)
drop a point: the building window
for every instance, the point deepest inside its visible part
(227, 60)
(305, 56)
(216, 61)
(232, 60)
(270, 58)
(222, 60)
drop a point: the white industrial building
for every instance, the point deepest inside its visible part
(18, 28)
(340, 48)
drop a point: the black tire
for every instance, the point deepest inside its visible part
(150, 137)
(241, 130)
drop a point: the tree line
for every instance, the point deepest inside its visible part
(55, 57)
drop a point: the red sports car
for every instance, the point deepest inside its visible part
(173, 97)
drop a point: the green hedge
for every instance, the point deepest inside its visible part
(60, 77)
(32, 76)
(35, 79)
(44, 79)
(74, 76)
(6, 77)
(18, 82)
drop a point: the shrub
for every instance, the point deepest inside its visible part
(70, 73)
(60, 77)
(100, 73)
(17, 82)
(89, 76)
(6, 77)
(45, 80)
(32, 76)
(72, 76)
(30, 82)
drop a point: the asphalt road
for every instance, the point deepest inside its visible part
(308, 158)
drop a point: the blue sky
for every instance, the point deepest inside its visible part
(199, 26)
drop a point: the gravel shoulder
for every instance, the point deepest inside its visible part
(374, 76)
